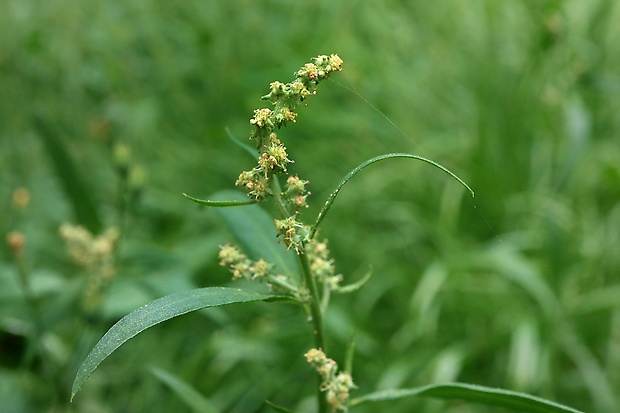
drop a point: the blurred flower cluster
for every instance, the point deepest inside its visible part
(336, 385)
(95, 254)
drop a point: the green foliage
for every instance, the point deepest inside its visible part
(478, 394)
(186, 392)
(515, 289)
(154, 313)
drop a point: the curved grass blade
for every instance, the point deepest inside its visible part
(356, 285)
(190, 396)
(205, 202)
(253, 152)
(520, 402)
(154, 313)
(332, 196)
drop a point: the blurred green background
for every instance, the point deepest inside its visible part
(111, 110)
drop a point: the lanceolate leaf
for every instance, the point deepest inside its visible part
(520, 402)
(154, 313)
(252, 151)
(332, 196)
(206, 202)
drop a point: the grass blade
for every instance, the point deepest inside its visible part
(332, 196)
(84, 205)
(520, 402)
(252, 151)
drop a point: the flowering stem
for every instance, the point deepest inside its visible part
(313, 305)
(316, 316)
(314, 302)
(277, 191)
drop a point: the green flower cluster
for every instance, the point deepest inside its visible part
(293, 233)
(336, 385)
(273, 158)
(96, 255)
(241, 266)
(322, 266)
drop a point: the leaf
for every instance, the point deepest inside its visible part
(187, 393)
(206, 202)
(470, 392)
(332, 196)
(348, 360)
(356, 285)
(154, 313)
(255, 231)
(253, 152)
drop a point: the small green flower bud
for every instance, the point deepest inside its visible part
(255, 183)
(292, 233)
(261, 118)
(242, 267)
(137, 178)
(295, 192)
(230, 255)
(315, 356)
(273, 160)
(336, 385)
(260, 269)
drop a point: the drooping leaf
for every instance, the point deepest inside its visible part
(520, 402)
(154, 313)
(332, 196)
(184, 391)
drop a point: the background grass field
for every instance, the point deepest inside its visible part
(516, 288)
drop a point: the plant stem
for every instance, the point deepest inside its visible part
(314, 303)
(316, 316)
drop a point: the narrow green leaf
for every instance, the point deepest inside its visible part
(520, 402)
(184, 391)
(154, 313)
(254, 230)
(252, 151)
(206, 202)
(356, 285)
(332, 196)
(348, 359)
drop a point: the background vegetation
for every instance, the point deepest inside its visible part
(111, 110)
